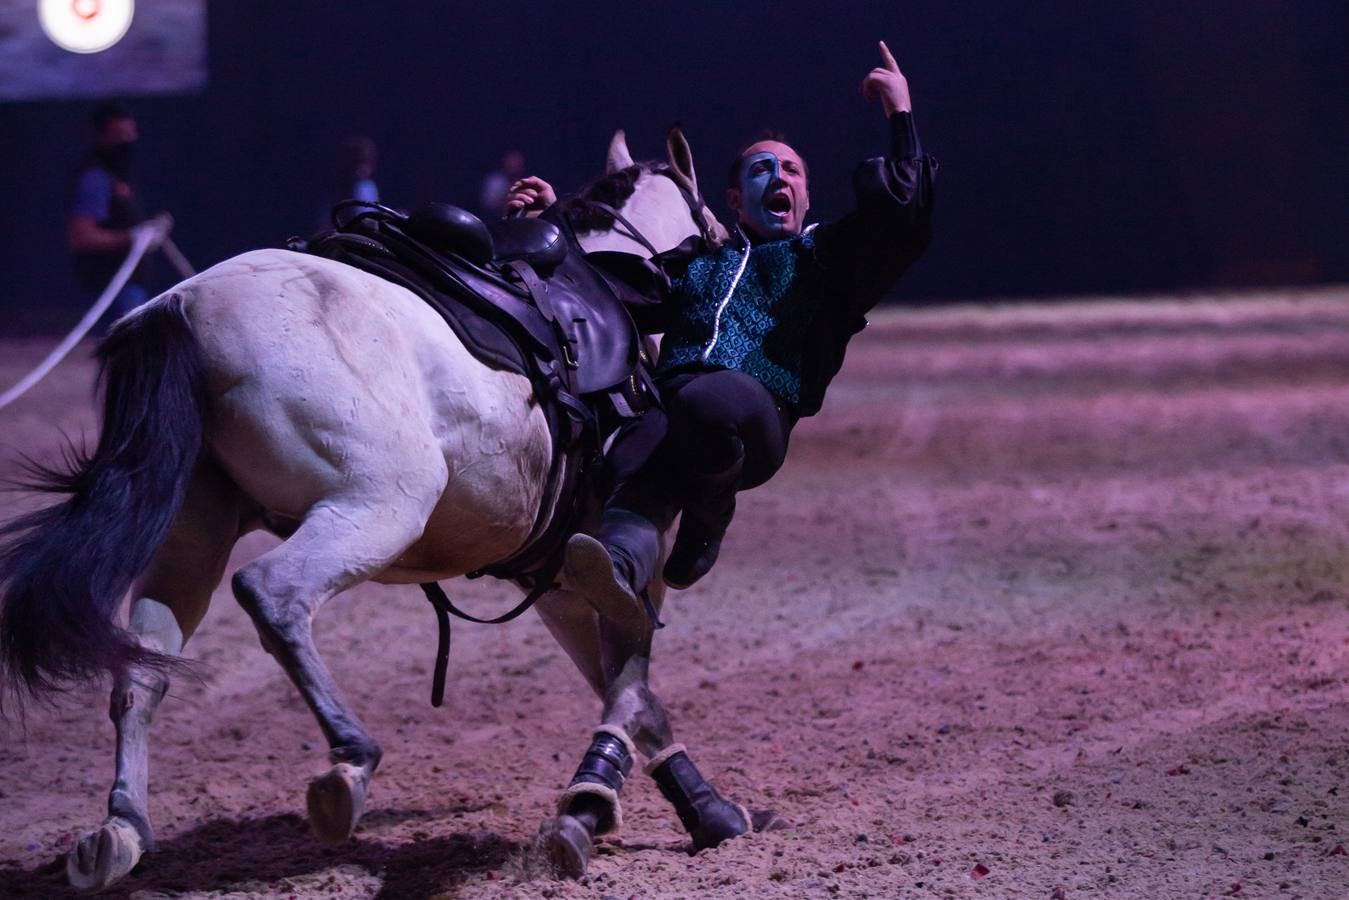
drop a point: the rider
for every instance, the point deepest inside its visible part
(753, 335)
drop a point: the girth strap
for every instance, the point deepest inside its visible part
(445, 607)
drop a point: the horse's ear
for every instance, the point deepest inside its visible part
(619, 157)
(681, 157)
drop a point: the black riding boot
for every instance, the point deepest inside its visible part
(708, 817)
(612, 568)
(633, 543)
(708, 511)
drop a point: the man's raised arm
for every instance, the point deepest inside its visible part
(867, 250)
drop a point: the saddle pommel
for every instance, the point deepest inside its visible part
(538, 242)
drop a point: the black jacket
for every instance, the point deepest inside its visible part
(835, 275)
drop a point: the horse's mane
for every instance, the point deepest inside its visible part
(613, 188)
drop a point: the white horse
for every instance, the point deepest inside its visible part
(279, 384)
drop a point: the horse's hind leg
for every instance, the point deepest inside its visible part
(341, 542)
(171, 599)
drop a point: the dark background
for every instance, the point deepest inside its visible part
(1143, 146)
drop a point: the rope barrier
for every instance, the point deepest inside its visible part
(141, 239)
(176, 258)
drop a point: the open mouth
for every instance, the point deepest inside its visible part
(779, 204)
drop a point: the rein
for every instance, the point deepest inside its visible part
(693, 200)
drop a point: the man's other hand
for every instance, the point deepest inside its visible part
(532, 194)
(889, 84)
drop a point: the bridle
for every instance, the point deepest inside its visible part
(692, 198)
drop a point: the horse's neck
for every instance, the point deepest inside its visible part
(656, 209)
(592, 241)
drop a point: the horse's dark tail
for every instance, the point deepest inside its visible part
(65, 568)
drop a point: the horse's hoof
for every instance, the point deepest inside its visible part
(568, 845)
(336, 801)
(718, 820)
(103, 857)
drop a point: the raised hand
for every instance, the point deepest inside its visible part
(889, 84)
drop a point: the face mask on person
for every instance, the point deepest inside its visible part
(116, 158)
(771, 196)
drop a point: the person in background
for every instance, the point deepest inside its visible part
(354, 177)
(497, 184)
(106, 210)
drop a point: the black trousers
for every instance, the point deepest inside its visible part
(721, 431)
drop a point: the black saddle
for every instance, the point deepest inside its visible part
(518, 293)
(521, 296)
(450, 229)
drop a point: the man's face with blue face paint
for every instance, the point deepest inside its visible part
(771, 198)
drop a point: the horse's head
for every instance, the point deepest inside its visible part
(659, 202)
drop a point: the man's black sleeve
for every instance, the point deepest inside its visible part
(865, 252)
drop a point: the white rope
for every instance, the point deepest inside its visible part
(176, 259)
(141, 238)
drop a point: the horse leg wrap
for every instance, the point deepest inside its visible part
(708, 817)
(600, 776)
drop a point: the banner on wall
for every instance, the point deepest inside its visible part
(74, 49)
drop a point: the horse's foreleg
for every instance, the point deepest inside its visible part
(616, 663)
(632, 721)
(590, 804)
(629, 704)
(341, 542)
(173, 595)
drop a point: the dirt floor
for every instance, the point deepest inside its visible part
(1050, 602)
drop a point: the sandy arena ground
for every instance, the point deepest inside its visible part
(1050, 602)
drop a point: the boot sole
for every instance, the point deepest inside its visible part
(589, 571)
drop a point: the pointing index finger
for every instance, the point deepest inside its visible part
(888, 59)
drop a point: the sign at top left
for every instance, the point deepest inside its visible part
(85, 26)
(83, 49)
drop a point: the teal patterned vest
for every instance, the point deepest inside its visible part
(763, 326)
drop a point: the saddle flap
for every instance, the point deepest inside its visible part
(591, 315)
